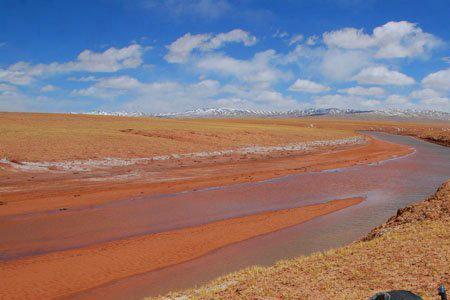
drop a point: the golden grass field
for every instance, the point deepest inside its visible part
(58, 137)
(411, 251)
(54, 137)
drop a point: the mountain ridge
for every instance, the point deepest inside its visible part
(295, 113)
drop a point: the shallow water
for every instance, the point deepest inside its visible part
(387, 186)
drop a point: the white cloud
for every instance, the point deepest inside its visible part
(348, 101)
(7, 88)
(308, 86)
(257, 70)
(98, 93)
(295, 39)
(48, 88)
(397, 100)
(391, 40)
(362, 91)
(348, 38)
(119, 83)
(109, 61)
(280, 34)
(233, 36)
(424, 94)
(382, 76)
(312, 40)
(440, 103)
(431, 99)
(84, 78)
(112, 60)
(181, 49)
(170, 96)
(254, 97)
(341, 65)
(110, 87)
(439, 80)
(403, 39)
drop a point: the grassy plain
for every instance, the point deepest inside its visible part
(58, 137)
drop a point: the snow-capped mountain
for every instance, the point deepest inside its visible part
(335, 112)
(114, 113)
(230, 112)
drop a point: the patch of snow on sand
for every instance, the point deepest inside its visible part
(87, 165)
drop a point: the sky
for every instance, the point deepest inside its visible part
(160, 56)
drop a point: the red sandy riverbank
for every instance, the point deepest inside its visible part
(25, 193)
(67, 272)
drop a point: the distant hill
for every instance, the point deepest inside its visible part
(333, 112)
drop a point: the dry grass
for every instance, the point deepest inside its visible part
(53, 137)
(436, 132)
(57, 137)
(414, 254)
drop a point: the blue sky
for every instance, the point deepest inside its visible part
(173, 55)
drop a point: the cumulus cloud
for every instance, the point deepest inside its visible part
(441, 103)
(348, 38)
(48, 88)
(382, 76)
(181, 49)
(83, 78)
(119, 83)
(233, 36)
(280, 34)
(348, 101)
(109, 61)
(430, 98)
(341, 65)
(397, 100)
(424, 94)
(391, 40)
(170, 96)
(7, 88)
(110, 87)
(295, 39)
(259, 69)
(362, 91)
(308, 86)
(439, 80)
(312, 40)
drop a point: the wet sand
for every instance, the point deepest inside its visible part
(63, 273)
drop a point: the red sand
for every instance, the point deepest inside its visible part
(68, 272)
(28, 193)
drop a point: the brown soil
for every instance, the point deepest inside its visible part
(68, 272)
